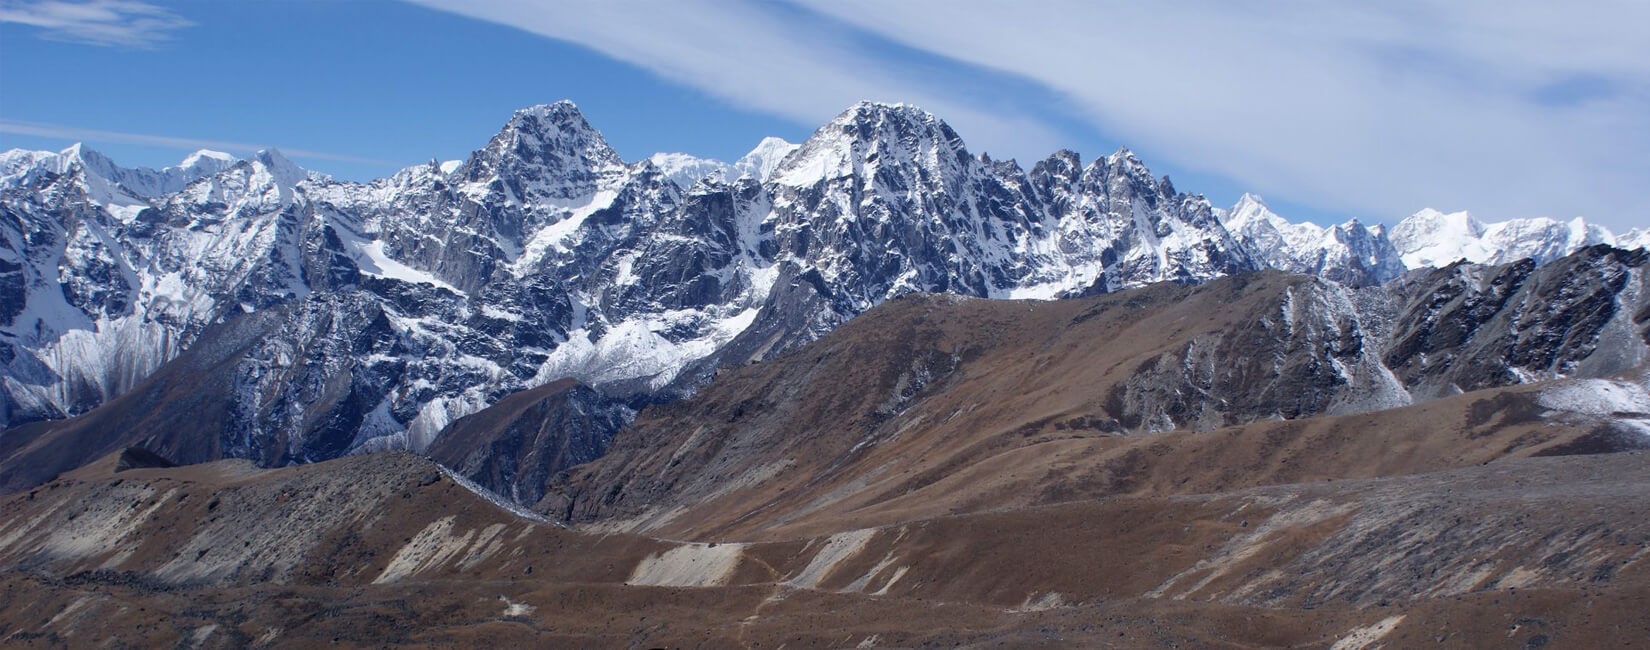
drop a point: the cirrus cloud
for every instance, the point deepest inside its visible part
(122, 23)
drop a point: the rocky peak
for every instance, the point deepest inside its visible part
(547, 151)
(1123, 176)
(1126, 162)
(869, 117)
(1065, 165)
(869, 137)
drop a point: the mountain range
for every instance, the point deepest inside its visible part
(544, 255)
(872, 389)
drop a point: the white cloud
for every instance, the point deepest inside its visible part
(187, 144)
(755, 56)
(1505, 108)
(125, 23)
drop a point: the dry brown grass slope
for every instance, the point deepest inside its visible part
(932, 406)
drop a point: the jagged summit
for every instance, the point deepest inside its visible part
(1064, 167)
(1125, 173)
(544, 152)
(1124, 156)
(1350, 253)
(863, 108)
(870, 121)
(878, 135)
(547, 120)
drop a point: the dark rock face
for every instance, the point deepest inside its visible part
(1362, 257)
(1308, 353)
(1466, 327)
(516, 445)
(325, 354)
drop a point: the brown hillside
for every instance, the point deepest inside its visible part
(932, 406)
(384, 549)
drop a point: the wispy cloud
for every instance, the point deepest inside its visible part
(1377, 109)
(120, 23)
(184, 144)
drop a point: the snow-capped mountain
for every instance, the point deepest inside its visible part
(686, 170)
(1433, 238)
(1359, 255)
(403, 304)
(886, 200)
(1350, 253)
(102, 285)
(1635, 238)
(107, 182)
(518, 263)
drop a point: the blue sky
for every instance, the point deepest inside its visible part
(1508, 109)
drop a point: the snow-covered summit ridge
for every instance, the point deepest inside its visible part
(762, 160)
(1434, 238)
(208, 157)
(267, 179)
(105, 181)
(687, 170)
(1350, 253)
(870, 132)
(1428, 238)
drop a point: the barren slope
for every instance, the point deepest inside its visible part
(381, 549)
(930, 406)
